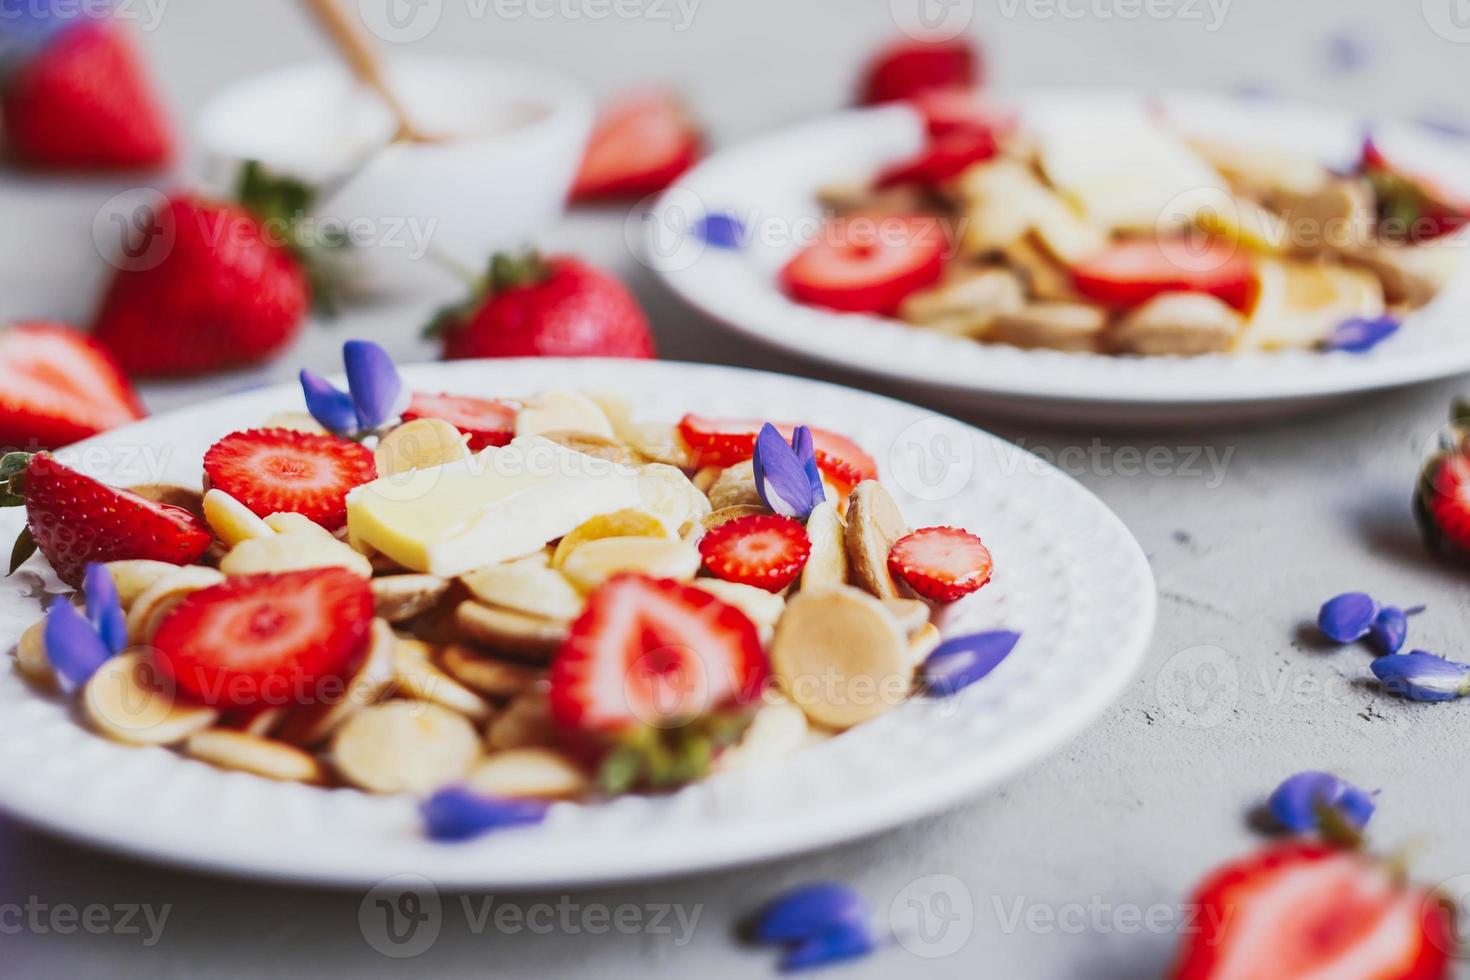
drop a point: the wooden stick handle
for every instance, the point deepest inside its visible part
(361, 55)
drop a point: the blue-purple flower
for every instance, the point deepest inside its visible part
(959, 662)
(77, 645)
(1421, 676)
(457, 814)
(818, 924)
(1298, 804)
(1360, 334)
(1390, 629)
(1347, 617)
(786, 475)
(375, 394)
(721, 230)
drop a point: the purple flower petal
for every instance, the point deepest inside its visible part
(721, 230)
(1361, 334)
(805, 448)
(811, 910)
(959, 662)
(834, 945)
(1347, 617)
(780, 478)
(104, 609)
(329, 406)
(1390, 629)
(456, 814)
(72, 645)
(1297, 803)
(1421, 676)
(378, 393)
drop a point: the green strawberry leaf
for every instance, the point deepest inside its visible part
(25, 546)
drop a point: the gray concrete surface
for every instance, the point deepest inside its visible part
(1076, 868)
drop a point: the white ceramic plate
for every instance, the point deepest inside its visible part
(770, 184)
(1068, 576)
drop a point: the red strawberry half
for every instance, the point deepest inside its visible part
(83, 102)
(1422, 208)
(57, 386)
(867, 264)
(1303, 909)
(653, 653)
(1131, 273)
(267, 639)
(558, 306)
(907, 68)
(641, 144)
(764, 550)
(276, 470)
(487, 423)
(74, 519)
(951, 110)
(941, 563)
(725, 442)
(944, 157)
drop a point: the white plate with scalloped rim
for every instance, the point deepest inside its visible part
(770, 184)
(1068, 576)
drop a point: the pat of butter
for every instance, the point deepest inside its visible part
(494, 506)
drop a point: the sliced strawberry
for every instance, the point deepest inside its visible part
(1131, 273)
(75, 519)
(487, 423)
(1303, 909)
(907, 68)
(764, 550)
(944, 157)
(725, 442)
(952, 110)
(641, 144)
(1425, 208)
(276, 470)
(867, 264)
(941, 563)
(57, 386)
(267, 639)
(653, 653)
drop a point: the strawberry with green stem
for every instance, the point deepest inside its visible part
(1442, 496)
(220, 284)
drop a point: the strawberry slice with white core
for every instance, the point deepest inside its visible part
(486, 422)
(725, 442)
(944, 157)
(653, 653)
(950, 110)
(941, 563)
(272, 471)
(640, 144)
(1131, 273)
(1303, 909)
(267, 639)
(57, 386)
(764, 550)
(867, 263)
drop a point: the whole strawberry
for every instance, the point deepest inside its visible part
(74, 519)
(82, 101)
(219, 285)
(1442, 497)
(558, 306)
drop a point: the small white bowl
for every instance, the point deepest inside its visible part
(514, 136)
